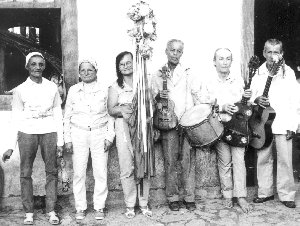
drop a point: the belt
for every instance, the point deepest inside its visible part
(120, 116)
(89, 128)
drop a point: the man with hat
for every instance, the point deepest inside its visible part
(37, 121)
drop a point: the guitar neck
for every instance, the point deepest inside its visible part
(165, 84)
(244, 99)
(267, 86)
(247, 86)
(265, 93)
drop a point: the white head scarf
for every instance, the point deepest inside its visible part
(89, 60)
(29, 55)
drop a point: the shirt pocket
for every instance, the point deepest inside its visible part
(99, 103)
(78, 103)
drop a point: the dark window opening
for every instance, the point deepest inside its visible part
(38, 29)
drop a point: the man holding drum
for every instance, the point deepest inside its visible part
(172, 93)
(227, 89)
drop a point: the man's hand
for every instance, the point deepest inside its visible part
(156, 134)
(59, 151)
(107, 145)
(262, 101)
(247, 93)
(289, 134)
(69, 147)
(6, 155)
(230, 108)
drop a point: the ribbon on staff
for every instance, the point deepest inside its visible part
(140, 122)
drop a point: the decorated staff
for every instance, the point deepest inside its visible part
(143, 32)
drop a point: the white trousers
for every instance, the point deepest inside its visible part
(130, 189)
(232, 170)
(285, 178)
(85, 142)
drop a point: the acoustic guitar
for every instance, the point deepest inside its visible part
(237, 132)
(263, 117)
(164, 117)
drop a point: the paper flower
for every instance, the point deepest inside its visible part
(144, 29)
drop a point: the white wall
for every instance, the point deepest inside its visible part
(203, 25)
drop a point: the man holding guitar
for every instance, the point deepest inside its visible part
(282, 97)
(172, 92)
(227, 89)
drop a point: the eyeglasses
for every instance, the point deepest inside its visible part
(126, 64)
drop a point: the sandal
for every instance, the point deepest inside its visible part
(53, 218)
(130, 213)
(28, 219)
(146, 212)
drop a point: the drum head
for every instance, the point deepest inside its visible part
(195, 115)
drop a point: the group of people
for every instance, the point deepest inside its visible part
(94, 116)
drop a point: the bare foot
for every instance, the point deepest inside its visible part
(245, 206)
(227, 202)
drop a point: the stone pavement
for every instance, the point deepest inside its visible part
(209, 212)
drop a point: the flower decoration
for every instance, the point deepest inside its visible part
(144, 30)
(244, 140)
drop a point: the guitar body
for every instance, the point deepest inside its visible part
(262, 118)
(164, 117)
(237, 132)
(260, 123)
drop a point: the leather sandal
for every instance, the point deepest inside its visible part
(145, 211)
(130, 213)
(28, 219)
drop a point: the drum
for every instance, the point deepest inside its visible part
(201, 125)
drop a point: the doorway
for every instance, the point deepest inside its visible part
(278, 19)
(37, 27)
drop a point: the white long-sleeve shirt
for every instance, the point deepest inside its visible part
(283, 96)
(227, 91)
(36, 109)
(87, 109)
(182, 88)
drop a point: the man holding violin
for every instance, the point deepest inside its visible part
(172, 92)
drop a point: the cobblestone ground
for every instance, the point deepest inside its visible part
(209, 212)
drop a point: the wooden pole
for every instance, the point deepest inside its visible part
(69, 42)
(247, 35)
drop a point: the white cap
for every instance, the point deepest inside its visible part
(29, 55)
(89, 60)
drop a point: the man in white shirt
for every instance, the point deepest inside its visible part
(282, 97)
(227, 89)
(179, 83)
(37, 119)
